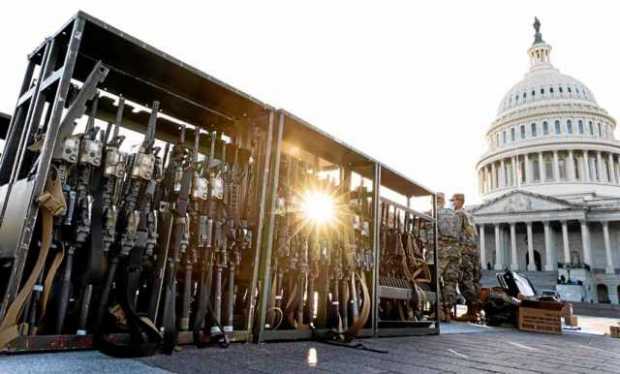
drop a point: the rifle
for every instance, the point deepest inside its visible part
(235, 237)
(197, 194)
(36, 304)
(135, 239)
(221, 243)
(183, 173)
(165, 234)
(90, 152)
(206, 239)
(282, 242)
(105, 207)
(114, 172)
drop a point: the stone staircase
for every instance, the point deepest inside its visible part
(542, 280)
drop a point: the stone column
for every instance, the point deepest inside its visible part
(610, 262)
(530, 248)
(502, 174)
(571, 167)
(489, 179)
(599, 167)
(556, 166)
(616, 171)
(565, 242)
(610, 168)
(483, 250)
(498, 252)
(586, 167)
(486, 179)
(541, 167)
(514, 261)
(585, 241)
(548, 247)
(528, 171)
(515, 171)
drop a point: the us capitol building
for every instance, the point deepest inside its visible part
(550, 183)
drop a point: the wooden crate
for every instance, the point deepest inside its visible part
(571, 321)
(540, 320)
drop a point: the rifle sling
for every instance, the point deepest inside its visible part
(49, 280)
(53, 203)
(144, 336)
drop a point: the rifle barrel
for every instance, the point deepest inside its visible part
(119, 118)
(149, 135)
(90, 124)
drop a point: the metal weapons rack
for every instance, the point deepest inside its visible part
(5, 120)
(406, 275)
(87, 64)
(326, 262)
(268, 271)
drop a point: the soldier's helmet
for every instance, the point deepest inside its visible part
(458, 196)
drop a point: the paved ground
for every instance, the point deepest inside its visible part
(467, 349)
(596, 325)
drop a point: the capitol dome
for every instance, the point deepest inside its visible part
(545, 85)
(550, 136)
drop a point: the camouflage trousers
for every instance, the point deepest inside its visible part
(469, 282)
(449, 256)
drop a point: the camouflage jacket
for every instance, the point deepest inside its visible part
(467, 233)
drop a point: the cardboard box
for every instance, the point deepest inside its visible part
(614, 331)
(540, 320)
(571, 321)
(567, 311)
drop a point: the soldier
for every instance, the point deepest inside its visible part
(449, 256)
(469, 279)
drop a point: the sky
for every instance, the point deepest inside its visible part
(413, 84)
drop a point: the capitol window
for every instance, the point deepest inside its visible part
(598, 129)
(569, 126)
(591, 128)
(504, 137)
(580, 127)
(545, 128)
(569, 90)
(557, 127)
(542, 91)
(533, 129)
(560, 88)
(522, 131)
(512, 134)
(551, 89)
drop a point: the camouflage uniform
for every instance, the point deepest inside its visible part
(449, 256)
(469, 280)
